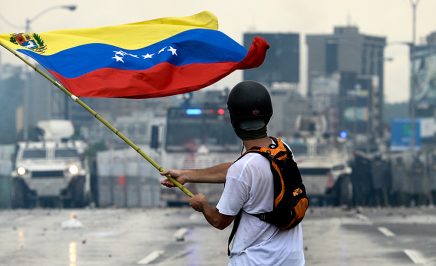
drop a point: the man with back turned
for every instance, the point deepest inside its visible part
(249, 187)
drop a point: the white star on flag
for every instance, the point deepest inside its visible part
(118, 58)
(122, 53)
(162, 50)
(134, 55)
(172, 50)
(148, 56)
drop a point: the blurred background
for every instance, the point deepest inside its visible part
(353, 84)
(352, 81)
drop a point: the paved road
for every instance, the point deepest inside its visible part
(371, 237)
(333, 236)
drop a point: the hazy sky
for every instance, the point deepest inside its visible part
(389, 18)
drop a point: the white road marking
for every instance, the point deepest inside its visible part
(415, 256)
(386, 232)
(151, 257)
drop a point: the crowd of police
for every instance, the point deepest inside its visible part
(394, 179)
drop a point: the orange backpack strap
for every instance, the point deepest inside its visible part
(274, 153)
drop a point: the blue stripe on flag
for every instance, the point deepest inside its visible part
(189, 47)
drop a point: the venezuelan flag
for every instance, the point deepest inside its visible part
(147, 59)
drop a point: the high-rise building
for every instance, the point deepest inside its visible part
(282, 62)
(357, 59)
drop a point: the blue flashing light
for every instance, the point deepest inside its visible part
(193, 111)
(343, 134)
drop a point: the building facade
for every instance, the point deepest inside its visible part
(282, 63)
(356, 62)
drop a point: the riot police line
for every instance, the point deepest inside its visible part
(394, 179)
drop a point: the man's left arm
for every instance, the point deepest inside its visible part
(213, 216)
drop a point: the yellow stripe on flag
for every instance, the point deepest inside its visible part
(128, 36)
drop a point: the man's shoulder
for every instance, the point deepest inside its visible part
(250, 158)
(249, 161)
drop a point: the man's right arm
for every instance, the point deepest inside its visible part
(214, 174)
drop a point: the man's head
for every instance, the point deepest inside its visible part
(250, 109)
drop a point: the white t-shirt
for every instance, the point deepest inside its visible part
(249, 185)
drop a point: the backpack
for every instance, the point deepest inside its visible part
(290, 199)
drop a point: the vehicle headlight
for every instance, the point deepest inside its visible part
(73, 169)
(21, 171)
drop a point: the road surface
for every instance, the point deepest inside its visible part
(91, 237)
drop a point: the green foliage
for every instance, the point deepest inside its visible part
(38, 39)
(13, 40)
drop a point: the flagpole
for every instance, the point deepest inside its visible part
(102, 120)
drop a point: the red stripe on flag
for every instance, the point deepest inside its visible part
(162, 80)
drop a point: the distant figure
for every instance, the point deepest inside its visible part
(387, 181)
(400, 185)
(419, 179)
(379, 182)
(432, 174)
(361, 179)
